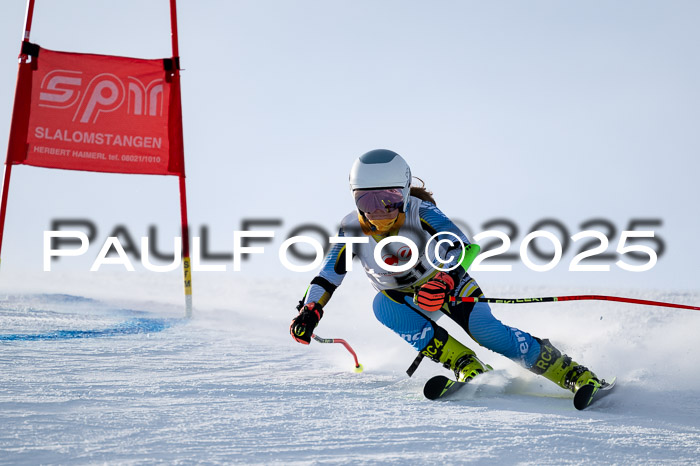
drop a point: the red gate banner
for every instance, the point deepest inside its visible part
(97, 113)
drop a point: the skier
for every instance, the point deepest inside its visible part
(410, 302)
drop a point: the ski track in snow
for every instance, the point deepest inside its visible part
(233, 388)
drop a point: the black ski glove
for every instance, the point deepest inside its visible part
(303, 325)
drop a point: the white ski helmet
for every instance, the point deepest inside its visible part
(380, 169)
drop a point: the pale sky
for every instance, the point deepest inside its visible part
(522, 111)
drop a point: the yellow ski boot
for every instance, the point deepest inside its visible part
(561, 369)
(455, 356)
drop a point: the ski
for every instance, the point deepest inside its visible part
(589, 393)
(441, 387)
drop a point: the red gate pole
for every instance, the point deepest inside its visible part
(8, 166)
(187, 271)
(3, 207)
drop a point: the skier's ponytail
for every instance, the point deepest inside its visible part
(422, 193)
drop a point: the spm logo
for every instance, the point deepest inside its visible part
(402, 256)
(104, 93)
(390, 259)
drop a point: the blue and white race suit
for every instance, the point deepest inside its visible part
(393, 304)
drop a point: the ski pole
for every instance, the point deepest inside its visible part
(571, 298)
(358, 366)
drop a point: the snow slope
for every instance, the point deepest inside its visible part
(85, 380)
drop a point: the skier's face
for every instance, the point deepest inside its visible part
(382, 214)
(382, 219)
(381, 207)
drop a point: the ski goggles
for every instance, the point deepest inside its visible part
(386, 200)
